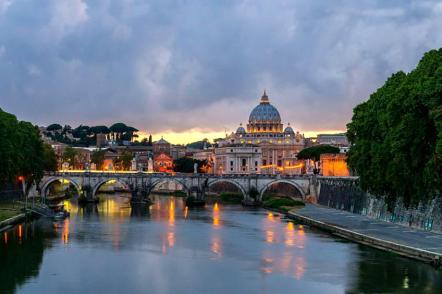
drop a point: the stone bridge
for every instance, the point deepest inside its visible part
(141, 183)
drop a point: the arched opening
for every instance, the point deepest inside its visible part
(58, 189)
(111, 186)
(282, 189)
(282, 195)
(225, 191)
(169, 187)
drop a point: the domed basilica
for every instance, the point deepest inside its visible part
(279, 146)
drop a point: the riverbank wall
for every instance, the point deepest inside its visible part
(346, 195)
(9, 223)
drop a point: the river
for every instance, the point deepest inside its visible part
(168, 248)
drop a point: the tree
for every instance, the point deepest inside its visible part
(396, 136)
(54, 127)
(70, 156)
(199, 144)
(99, 130)
(123, 161)
(49, 159)
(97, 157)
(314, 152)
(185, 165)
(22, 151)
(126, 159)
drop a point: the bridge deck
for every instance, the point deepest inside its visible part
(385, 235)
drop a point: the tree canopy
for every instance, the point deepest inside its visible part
(314, 152)
(396, 135)
(199, 144)
(54, 127)
(22, 151)
(185, 165)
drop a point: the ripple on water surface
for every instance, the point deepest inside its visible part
(114, 247)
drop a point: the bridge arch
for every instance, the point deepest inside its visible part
(46, 184)
(102, 182)
(236, 184)
(292, 183)
(165, 180)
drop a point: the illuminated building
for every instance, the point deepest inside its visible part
(238, 159)
(334, 165)
(162, 163)
(279, 146)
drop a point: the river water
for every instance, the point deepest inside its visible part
(168, 248)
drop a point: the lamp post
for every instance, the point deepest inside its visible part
(22, 179)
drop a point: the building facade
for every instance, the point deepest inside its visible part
(334, 165)
(163, 163)
(238, 159)
(279, 146)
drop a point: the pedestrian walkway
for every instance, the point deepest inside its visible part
(423, 245)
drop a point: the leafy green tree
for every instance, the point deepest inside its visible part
(396, 135)
(126, 159)
(54, 127)
(22, 151)
(70, 155)
(50, 161)
(314, 152)
(97, 157)
(99, 130)
(199, 144)
(185, 165)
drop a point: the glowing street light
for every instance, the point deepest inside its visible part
(22, 179)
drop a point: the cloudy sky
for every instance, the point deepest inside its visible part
(191, 69)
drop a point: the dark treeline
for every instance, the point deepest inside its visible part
(22, 152)
(396, 135)
(87, 135)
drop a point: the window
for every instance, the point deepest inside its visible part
(264, 162)
(256, 150)
(231, 150)
(256, 163)
(279, 162)
(244, 162)
(231, 163)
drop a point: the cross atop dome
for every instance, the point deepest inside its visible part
(265, 98)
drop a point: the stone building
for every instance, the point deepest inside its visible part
(161, 146)
(163, 163)
(279, 145)
(238, 159)
(334, 165)
(339, 140)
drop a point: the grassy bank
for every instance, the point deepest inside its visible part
(8, 210)
(281, 203)
(231, 197)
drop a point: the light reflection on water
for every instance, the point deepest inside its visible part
(170, 248)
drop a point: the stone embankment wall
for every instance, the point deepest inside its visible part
(346, 195)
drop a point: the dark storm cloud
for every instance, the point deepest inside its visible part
(182, 64)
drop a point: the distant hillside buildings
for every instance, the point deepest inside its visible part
(264, 146)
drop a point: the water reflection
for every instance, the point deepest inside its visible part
(195, 248)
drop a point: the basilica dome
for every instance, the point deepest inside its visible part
(288, 130)
(264, 112)
(240, 130)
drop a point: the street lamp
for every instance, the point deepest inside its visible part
(22, 179)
